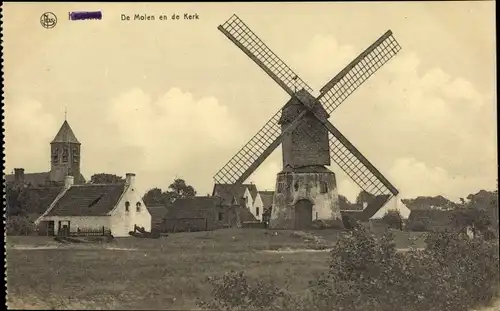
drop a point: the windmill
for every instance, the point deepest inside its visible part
(305, 189)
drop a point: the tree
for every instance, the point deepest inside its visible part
(12, 196)
(363, 197)
(104, 178)
(154, 196)
(179, 189)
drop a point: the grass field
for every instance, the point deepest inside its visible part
(166, 273)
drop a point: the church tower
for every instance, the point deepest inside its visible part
(65, 155)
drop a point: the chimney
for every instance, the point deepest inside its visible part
(130, 179)
(19, 175)
(68, 181)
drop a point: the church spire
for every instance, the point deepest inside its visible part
(65, 134)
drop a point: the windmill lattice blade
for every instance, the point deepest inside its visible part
(236, 30)
(358, 71)
(368, 179)
(238, 167)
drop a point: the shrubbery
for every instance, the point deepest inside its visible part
(19, 225)
(453, 273)
(393, 219)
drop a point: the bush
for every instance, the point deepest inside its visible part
(393, 219)
(366, 273)
(418, 226)
(19, 225)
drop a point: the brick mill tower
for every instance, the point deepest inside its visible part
(65, 152)
(305, 189)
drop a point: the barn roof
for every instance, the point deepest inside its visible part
(371, 209)
(65, 135)
(88, 200)
(157, 211)
(245, 214)
(191, 207)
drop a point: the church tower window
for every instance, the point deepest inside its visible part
(55, 155)
(65, 155)
(76, 157)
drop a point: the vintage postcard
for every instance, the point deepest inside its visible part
(250, 156)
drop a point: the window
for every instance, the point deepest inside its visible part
(127, 206)
(138, 207)
(76, 157)
(281, 187)
(257, 211)
(296, 186)
(55, 155)
(323, 187)
(221, 216)
(65, 155)
(316, 215)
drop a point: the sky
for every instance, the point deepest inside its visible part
(175, 98)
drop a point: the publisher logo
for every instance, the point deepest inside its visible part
(48, 20)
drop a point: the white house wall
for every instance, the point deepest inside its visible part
(257, 204)
(123, 222)
(393, 204)
(81, 222)
(249, 200)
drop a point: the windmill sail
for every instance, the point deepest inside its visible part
(358, 71)
(269, 137)
(236, 30)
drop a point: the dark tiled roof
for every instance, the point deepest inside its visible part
(371, 209)
(245, 214)
(157, 212)
(267, 198)
(228, 192)
(253, 190)
(34, 179)
(88, 200)
(192, 207)
(65, 135)
(40, 179)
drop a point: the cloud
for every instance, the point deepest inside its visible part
(175, 134)
(408, 172)
(28, 131)
(322, 57)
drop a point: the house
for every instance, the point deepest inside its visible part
(157, 212)
(195, 214)
(203, 214)
(64, 160)
(115, 207)
(263, 205)
(242, 195)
